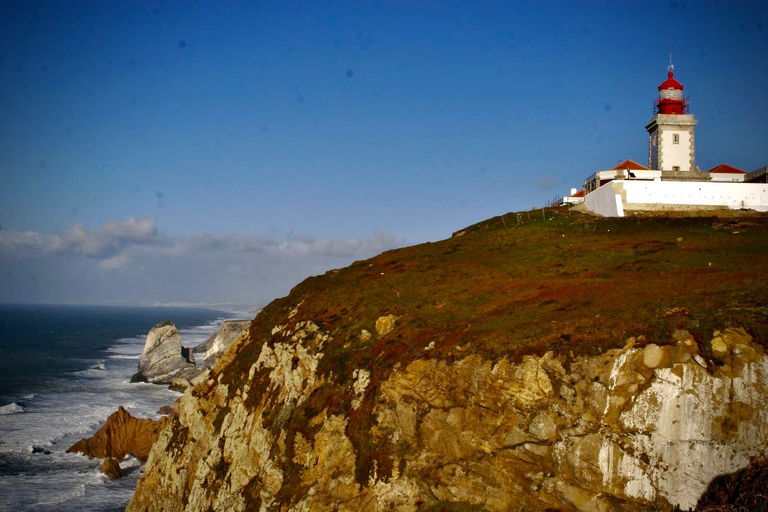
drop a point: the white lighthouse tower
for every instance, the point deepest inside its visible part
(670, 131)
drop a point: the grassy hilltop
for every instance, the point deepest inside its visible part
(545, 280)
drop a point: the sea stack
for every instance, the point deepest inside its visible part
(163, 359)
(120, 436)
(227, 333)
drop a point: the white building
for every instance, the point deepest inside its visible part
(672, 181)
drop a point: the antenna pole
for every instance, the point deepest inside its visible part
(671, 66)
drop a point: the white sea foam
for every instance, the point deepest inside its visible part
(192, 337)
(11, 408)
(129, 347)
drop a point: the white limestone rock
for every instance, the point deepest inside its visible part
(227, 333)
(163, 359)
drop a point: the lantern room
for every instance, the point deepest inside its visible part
(671, 100)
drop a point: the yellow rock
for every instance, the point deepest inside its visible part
(543, 426)
(621, 428)
(737, 336)
(385, 324)
(654, 356)
(719, 346)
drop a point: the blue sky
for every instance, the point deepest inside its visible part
(329, 130)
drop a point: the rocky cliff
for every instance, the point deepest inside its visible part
(219, 341)
(561, 362)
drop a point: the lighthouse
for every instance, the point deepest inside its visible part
(670, 130)
(672, 182)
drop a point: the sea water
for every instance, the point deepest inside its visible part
(63, 370)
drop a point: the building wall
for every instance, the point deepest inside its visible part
(753, 196)
(665, 154)
(675, 195)
(605, 201)
(675, 154)
(653, 150)
(729, 177)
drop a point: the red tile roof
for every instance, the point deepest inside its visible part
(727, 169)
(631, 165)
(580, 193)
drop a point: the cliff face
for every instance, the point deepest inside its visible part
(504, 369)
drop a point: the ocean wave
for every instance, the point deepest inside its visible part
(11, 408)
(129, 350)
(96, 372)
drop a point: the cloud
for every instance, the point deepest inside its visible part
(116, 241)
(105, 242)
(262, 246)
(307, 246)
(114, 262)
(132, 261)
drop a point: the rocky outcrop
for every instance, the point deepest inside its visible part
(164, 360)
(227, 333)
(558, 362)
(631, 429)
(122, 435)
(111, 468)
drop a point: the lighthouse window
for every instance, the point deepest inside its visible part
(675, 139)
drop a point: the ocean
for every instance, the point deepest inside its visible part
(64, 370)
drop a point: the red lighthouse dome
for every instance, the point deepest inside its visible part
(670, 83)
(671, 100)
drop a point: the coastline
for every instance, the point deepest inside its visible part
(37, 427)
